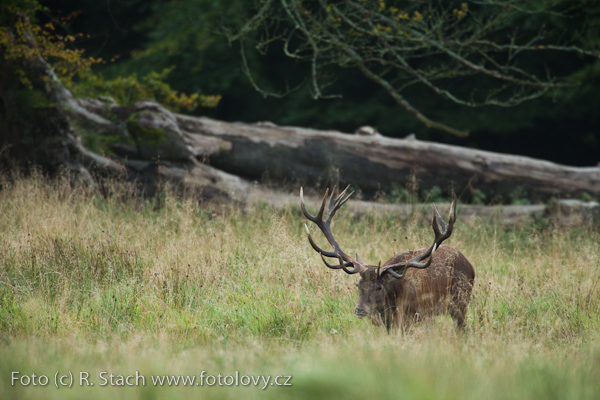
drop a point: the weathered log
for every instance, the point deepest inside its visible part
(291, 155)
(376, 163)
(158, 148)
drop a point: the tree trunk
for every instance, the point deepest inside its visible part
(375, 163)
(42, 125)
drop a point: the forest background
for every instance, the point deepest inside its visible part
(185, 44)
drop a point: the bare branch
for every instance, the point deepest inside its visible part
(402, 44)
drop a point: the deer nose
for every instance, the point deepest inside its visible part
(360, 312)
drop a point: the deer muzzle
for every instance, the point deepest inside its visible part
(360, 312)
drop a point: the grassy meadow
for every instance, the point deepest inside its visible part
(119, 284)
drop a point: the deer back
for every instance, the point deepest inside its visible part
(449, 277)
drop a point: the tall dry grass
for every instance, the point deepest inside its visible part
(118, 283)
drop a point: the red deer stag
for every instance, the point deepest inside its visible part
(405, 288)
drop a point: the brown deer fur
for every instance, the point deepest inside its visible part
(442, 288)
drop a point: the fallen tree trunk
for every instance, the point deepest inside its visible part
(153, 147)
(376, 163)
(146, 132)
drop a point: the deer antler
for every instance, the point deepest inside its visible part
(442, 232)
(345, 260)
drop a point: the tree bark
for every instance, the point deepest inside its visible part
(376, 163)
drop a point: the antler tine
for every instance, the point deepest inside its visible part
(337, 202)
(393, 273)
(320, 213)
(317, 248)
(325, 227)
(357, 268)
(452, 214)
(308, 215)
(412, 263)
(342, 264)
(437, 223)
(442, 232)
(359, 259)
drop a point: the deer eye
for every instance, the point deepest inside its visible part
(378, 287)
